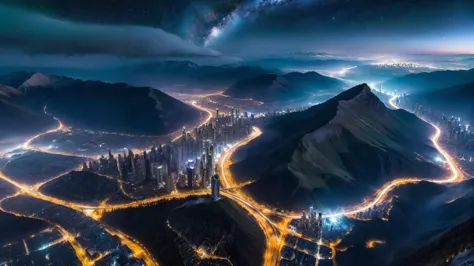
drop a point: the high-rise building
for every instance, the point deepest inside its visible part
(147, 169)
(215, 185)
(169, 182)
(190, 174)
(158, 173)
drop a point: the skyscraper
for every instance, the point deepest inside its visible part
(169, 181)
(215, 185)
(190, 174)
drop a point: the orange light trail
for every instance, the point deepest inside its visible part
(381, 194)
(204, 122)
(372, 243)
(225, 162)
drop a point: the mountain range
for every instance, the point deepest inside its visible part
(455, 101)
(381, 72)
(159, 74)
(94, 105)
(422, 82)
(288, 87)
(351, 143)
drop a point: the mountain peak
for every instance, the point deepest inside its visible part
(43, 80)
(364, 97)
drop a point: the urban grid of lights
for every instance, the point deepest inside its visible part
(274, 232)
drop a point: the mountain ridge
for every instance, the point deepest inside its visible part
(334, 153)
(97, 105)
(287, 87)
(429, 81)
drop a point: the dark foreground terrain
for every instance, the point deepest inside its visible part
(196, 230)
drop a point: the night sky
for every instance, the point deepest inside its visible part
(72, 32)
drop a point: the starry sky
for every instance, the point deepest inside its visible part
(70, 32)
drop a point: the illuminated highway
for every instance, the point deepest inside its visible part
(264, 221)
(274, 233)
(381, 194)
(202, 123)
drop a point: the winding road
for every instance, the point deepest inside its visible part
(274, 232)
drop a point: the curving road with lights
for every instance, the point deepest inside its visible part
(274, 232)
(381, 194)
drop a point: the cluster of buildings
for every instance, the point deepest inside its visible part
(457, 132)
(187, 163)
(311, 224)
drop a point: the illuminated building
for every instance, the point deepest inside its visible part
(158, 173)
(190, 174)
(215, 185)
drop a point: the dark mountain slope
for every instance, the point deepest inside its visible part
(16, 118)
(457, 100)
(102, 106)
(335, 153)
(422, 82)
(186, 73)
(292, 86)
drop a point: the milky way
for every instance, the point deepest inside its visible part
(248, 10)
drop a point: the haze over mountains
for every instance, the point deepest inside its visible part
(95, 105)
(424, 82)
(455, 101)
(381, 72)
(288, 87)
(17, 118)
(335, 153)
(186, 74)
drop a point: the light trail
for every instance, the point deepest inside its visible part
(54, 243)
(269, 228)
(372, 243)
(382, 193)
(271, 255)
(93, 211)
(203, 254)
(204, 122)
(78, 249)
(133, 244)
(60, 127)
(263, 220)
(27, 251)
(225, 162)
(138, 250)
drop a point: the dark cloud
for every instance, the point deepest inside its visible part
(189, 19)
(34, 33)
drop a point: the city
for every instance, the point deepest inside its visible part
(236, 132)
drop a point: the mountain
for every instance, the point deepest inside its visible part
(456, 101)
(18, 119)
(429, 81)
(381, 72)
(288, 87)
(185, 73)
(335, 153)
(101, 106)
(428, 225)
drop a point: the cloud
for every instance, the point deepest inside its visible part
(33, 33)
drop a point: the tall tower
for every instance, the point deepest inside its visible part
(232, 116)
(190, 174)
(215, 185)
